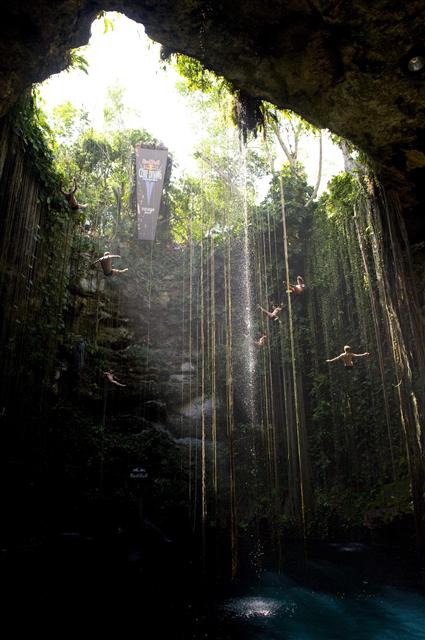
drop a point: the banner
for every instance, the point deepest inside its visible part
(150, 172)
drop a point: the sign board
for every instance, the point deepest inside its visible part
(150, 172)
(138, 473)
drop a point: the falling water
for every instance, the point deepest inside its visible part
(249, 391)
(246, 294)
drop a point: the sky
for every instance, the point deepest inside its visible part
(126, 57)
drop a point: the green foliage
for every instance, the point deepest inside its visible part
(341, 196)
(355, 434)
(77, 61)
(114, 111)
(298, 216)
(101, 162)
(108, 24)
(212, 204)
(210, 209)
(38, 323)
(197, 77)
(337, 512)
(392, 501)
(340, 509)
(31, 126)
(215, 203)
(67, 123)
(248, 113)
(287, 127)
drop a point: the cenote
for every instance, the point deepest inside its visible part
(212, 318)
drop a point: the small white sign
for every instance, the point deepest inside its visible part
(138, 473)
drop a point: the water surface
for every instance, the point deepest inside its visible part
(349, 594)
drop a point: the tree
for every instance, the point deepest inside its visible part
(101, 161)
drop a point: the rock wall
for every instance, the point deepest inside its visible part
(343, 66)
(35, 233)
(137, 321)
(70, 438)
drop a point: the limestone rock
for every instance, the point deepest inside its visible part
(341, 65)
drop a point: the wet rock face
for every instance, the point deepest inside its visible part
(341, 65)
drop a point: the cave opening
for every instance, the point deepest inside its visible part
(185, 418)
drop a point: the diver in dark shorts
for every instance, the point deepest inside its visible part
(111, 377)
(274, 315)
(261, 341)
(296, 288)
(106, 264)
(347, 357)
(70, 196)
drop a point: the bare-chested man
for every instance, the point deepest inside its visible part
(106, 264)
(112, 379)
(297, 288)
(274, 315)
(261, 341)
(347, 357)
(70, 196)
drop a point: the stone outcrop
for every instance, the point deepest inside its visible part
(134, 323)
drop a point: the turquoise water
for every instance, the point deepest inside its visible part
(293, 612)
(328, 600)
(345, 592)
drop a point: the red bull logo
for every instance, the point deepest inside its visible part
(150, 171)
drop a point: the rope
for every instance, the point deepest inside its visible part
(293, 358)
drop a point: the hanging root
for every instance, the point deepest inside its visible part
(166, 53)
(371, 184)
(247, 114)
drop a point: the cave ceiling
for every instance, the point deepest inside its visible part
(343, 65)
